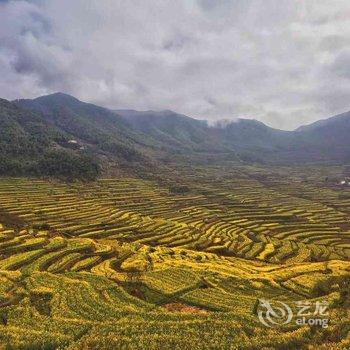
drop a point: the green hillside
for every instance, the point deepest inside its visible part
(31, 146)
(98, 127)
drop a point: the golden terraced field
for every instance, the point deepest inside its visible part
(129, 264)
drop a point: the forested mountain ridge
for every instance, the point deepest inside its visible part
(250, 140)
(58, 135)
(30, 146)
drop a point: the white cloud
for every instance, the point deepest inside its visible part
(282, 62)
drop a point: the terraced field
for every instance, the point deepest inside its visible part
(133, 264)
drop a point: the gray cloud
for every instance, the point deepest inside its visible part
(282, 62)
(341, 65)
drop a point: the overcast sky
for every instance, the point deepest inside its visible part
(283, 62)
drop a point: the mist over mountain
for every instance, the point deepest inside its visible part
(96, 139)
(247, 139)
(177, 132)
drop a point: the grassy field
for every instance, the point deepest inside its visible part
(135, 264)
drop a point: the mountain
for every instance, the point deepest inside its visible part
(245, 133)
(244, 138)
(338, 121)
(58, 126)
(29, 145)
(94, 126)
(176, 132)
(329, 138)
(23, 132)
(179, 131)
(247, 139)
(331, 132)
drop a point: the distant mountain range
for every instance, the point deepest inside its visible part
(247, 139)
(58, 135)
